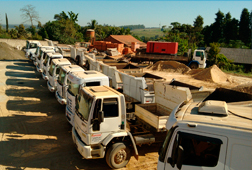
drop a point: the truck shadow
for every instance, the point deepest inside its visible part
(21, 74)
(11, 67)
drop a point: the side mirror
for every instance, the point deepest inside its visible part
(180, 157)
(101, 116)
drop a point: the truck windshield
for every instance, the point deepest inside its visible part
(27, 44)
(73, 88)
(37, 51)
(51, 69)
(164, 147)
(62, 75)
(83, 105)
(46, 59)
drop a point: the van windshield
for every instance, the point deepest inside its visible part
(51, 69)
(83, 106)
(62, 75)
(73, 88)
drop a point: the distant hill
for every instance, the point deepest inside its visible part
(148, 32)
(13, 25)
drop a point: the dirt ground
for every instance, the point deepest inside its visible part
(34, 131)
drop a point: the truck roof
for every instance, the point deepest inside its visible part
(78, 77)
(239, 117)
(32, 41)
(72, 68)
(101, 91)
(61, 61)
(54, 54)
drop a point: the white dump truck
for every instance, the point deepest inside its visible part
(101, 128)
(54, 72)
(47, 62)
(31, 47)
(40, 59)
(76, 80)
(62, 85)
(209, 135)
(34, 56)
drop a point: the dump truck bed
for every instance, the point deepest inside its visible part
(154, 114)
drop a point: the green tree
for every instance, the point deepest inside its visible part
(218, 27)
(7, 23)
(93, 24)
(22, 34)
(29, 14)
(213, 52)
(244, 27)
(198, 23)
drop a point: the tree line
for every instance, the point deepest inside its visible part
(227, 31)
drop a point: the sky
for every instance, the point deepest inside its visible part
(117, 13)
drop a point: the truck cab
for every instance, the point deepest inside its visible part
(211, 135)
(40, 59)
(198, 59)
(30, 47)
(100, 117)
(75, 80)
(54, 72)
(34, 56)
(47, 62)
(62, 86)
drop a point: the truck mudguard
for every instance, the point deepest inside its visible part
(106, 141)
(193, 61)
(121, 134)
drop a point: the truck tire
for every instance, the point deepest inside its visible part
(118, 155)
(194, 66)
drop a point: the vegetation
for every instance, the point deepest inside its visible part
(224, 32)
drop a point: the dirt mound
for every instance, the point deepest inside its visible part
(245, 88)
(8, 52)
(170, 66)
(212, 74)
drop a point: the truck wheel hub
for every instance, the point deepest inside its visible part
(120, 156)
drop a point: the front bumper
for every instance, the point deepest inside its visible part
(45, 77)
(83, 149)
(60, 99)
(39, 69)
(50, 88)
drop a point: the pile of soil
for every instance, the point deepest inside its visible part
(8, 52)
(212, 74)
(245, 88)
(170, 66)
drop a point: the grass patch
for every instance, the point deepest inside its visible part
(148, 32)
(249, 75)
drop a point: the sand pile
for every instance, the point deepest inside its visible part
(245, 88)
(212, 74)
(170, 66)
(8, 52)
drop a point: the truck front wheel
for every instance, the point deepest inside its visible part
(194, 66)
(118, 155)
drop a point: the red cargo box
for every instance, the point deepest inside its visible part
(162, 47)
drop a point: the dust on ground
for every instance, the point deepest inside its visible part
(8, 52)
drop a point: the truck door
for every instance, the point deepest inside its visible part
(196, 151)
(112, 120)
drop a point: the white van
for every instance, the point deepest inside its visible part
(210, 135)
